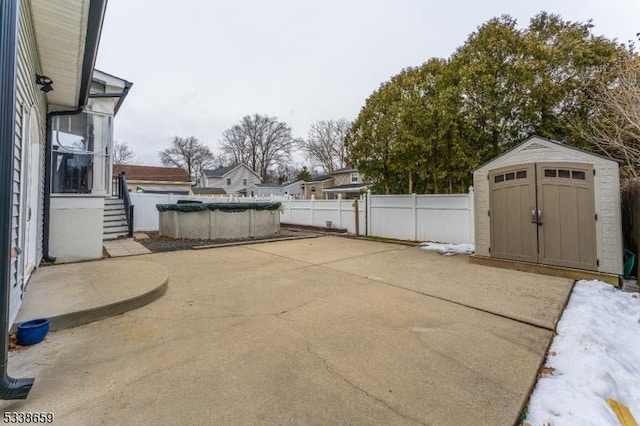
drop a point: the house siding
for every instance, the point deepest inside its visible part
(236, 175)
(27, 97)
(320, 187)
(344, 178)
(606, 193)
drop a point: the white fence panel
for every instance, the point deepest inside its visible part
(392, 216)
(318, 212)
(443, 218)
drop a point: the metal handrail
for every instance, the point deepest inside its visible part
(122, 192)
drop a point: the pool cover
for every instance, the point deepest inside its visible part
(224, 207)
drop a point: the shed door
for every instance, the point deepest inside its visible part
(567, 234)
(512, 199)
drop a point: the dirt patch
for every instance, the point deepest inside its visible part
(156, 243)
(13, 343)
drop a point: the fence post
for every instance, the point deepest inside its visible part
(313, 202)
(356, 210)
(368, 219)
(472, 216)
(414, 209)
(339, 211)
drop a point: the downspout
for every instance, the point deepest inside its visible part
(10, 388)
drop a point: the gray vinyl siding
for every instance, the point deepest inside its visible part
(236, 175)
(27, 97)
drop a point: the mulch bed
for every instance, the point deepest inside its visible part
(156, 243)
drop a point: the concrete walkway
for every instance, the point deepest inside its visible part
(322, 331)
(75, 294)
(124, 247)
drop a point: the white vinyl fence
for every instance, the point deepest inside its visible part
(442, 218)
(339, 212)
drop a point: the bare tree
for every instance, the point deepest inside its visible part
(325, 144)
(260, 142)
(614, 127)
(188, 154)
(122, 154)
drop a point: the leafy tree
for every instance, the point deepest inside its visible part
(189, 154)
(428, 127)
(122, 154)
(260, 142)
(325, 144)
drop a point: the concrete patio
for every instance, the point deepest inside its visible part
(322, 331)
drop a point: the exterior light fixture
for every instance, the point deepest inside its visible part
(45, 82)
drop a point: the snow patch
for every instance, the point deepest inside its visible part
(596, 355)
(449, 249)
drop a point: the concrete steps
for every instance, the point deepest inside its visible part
(115, 219)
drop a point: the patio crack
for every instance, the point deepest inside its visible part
(361, 390)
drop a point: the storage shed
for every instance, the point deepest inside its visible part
(548, 203)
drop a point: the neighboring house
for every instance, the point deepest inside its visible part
(209, 192)
(293, 189)
(347, 182)
(155, 180)
(234, 180)
(49, 88)
(316, 187)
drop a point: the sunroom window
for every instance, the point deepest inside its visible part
(80, 153)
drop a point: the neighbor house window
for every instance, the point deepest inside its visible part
(244, 182)
(313, 188)
(80, 147)
(228, 181)
(354, 177)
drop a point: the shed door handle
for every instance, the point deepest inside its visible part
(536, 216)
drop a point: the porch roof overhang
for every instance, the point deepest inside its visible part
(347, 188)
(67, 34)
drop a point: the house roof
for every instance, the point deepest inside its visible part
(320, 178)
(152, 173)
(223, 171)
(162, 190)
(350, 187)
(109, 80)
(275, 185)
(209, 191)
(343, 170)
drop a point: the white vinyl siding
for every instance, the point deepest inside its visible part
(27, 96)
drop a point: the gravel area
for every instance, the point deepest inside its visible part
(156, 243)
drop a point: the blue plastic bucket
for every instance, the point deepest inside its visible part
(32, 332)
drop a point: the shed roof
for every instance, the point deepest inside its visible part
(539, 142)
(152, 173)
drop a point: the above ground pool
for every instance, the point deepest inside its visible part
(210, 221)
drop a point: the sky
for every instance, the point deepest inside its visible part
(199, 66)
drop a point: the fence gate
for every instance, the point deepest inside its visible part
(544, 213)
